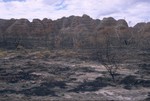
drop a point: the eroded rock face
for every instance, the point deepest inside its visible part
(68, 32)
(108, 22)
(142, 31)
(122, 24)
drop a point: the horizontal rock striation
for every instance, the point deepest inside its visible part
(72, 32)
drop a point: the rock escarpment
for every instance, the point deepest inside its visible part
(73, 32)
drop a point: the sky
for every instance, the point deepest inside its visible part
(133, 11)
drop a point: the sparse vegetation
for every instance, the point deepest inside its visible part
(109, 57)
(36, 76)
(74, 58)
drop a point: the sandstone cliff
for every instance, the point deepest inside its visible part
(73, 32)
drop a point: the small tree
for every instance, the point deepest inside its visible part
(109, 56)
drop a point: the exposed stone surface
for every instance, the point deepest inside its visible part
(68, 32)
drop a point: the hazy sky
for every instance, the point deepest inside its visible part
(131, 10)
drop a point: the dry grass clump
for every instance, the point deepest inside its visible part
(66, 53)
(3, 53)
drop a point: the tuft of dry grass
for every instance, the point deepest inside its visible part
(3, 53)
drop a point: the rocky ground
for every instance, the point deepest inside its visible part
(59, 75)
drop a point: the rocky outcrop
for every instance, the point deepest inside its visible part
(142, 35)
(69, 32)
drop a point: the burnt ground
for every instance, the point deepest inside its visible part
(49, 75)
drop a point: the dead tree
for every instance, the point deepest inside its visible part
(108, 56)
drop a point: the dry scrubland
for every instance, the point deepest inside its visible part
(74, 58)
(45, 75)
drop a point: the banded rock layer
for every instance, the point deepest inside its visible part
(72, 32)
